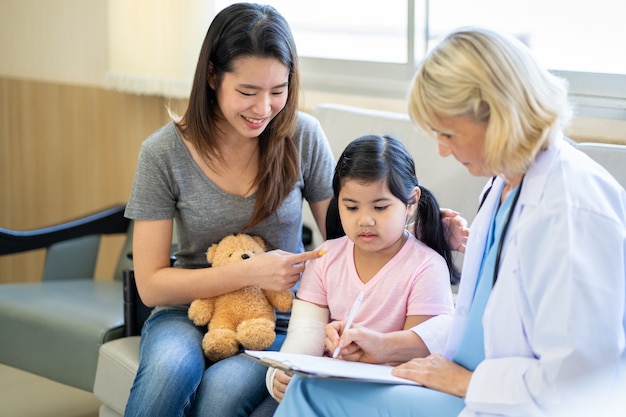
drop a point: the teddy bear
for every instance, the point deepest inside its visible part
(243, 317)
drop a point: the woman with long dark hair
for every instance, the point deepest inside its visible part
(240, 159)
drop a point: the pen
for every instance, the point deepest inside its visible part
(351, 314)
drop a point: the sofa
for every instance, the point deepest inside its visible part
(449, 180)
(55, 326)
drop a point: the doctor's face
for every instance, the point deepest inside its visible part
(464, 138)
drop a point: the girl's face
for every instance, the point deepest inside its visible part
(251, 95)
(372, 217)
(464, 138)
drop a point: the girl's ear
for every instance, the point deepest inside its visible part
(211, 77)
(416, 193)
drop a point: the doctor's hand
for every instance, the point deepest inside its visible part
(436, 372)
(456, 229)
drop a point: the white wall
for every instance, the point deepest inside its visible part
(54, 40)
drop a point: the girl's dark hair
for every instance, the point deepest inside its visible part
(248, 30)
(372, 158)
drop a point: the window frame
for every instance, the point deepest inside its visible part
(378, 79)
(594, 94)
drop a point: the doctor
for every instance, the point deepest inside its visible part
(540, 310)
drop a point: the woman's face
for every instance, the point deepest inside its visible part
(372, 217)
(251, 95)
(464, 138)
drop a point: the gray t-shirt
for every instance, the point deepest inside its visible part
(169, 184)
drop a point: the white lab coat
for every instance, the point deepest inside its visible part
(556, 316)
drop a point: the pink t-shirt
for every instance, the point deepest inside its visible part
(415, 282)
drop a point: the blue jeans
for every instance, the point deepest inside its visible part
(173, 378)
(317, 397)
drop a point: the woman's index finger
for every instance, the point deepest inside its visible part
(307, 256)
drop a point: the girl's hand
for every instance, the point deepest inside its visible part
(456, 229)
(281, 380)
(358, 344)
(333, 331)
(278, 270)
(436, 372)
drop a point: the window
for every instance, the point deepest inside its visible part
(372, 46)
(581, 41)
(353, 46)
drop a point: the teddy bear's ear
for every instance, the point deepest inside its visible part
(259, 240)
(210, 254)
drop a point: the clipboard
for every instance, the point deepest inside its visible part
(325, 367)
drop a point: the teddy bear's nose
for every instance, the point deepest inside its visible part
(244, 256)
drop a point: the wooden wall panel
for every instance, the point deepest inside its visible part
(67, 151)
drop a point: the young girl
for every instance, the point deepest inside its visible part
(405, 279)
(241, 158)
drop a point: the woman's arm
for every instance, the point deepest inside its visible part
(456, 229)
(159, 284)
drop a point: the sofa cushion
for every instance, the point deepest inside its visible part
(117, 366)
(57, 327)
(610, 156)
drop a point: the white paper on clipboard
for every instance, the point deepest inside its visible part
(325, 367)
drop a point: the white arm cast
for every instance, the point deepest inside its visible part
(305, 334)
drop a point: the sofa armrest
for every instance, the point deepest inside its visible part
(135, 311)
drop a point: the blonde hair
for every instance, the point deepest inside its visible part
(491, 77)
